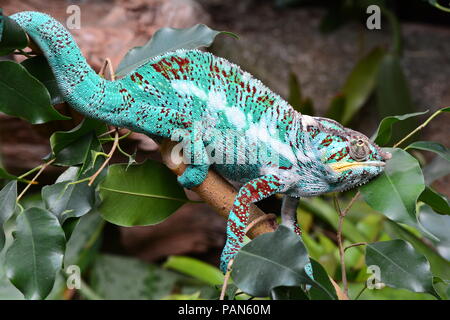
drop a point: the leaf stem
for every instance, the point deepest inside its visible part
(30, 171)
(43, 167)
(108, 157)
(440, 7)
(355, 245)
(225, 280)
(340, 242)
(423, 125)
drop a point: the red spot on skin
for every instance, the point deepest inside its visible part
(332, 156)
(138, 75)
(327, 141)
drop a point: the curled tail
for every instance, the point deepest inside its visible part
(143, 101)
(81, 87)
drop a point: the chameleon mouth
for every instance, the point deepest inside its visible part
(343, 165)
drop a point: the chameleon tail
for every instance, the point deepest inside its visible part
(81, 87)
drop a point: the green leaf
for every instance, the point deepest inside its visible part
(8, 197)
(435, 147)
(22, 95)
(360, 83)
(436, 169)
(288, 293)
(296, 100)
(39, 68)
(439, 266)
(384, 131)
(122, 278)
(84, 242)
(401, 266)
(5, 175)
(386, 293)
(439, 225)
(36, 253)
(435, 200)
(67, 200)
(165, 40)
(295, 93)
(11, 35)
(336, 110)
(321, 276)
(195, 268)
(394, 193)
(74, 147)
(279, 253)
(393, 96)
(140, 195)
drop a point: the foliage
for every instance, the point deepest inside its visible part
(400, 224)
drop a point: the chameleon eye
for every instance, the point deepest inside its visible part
(359, 149)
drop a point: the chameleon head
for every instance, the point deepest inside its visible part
(350, 158)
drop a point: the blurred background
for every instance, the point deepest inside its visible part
(318, 55)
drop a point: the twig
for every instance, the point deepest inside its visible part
(108, 157)
(107, 63)
(107, 133)
(44, 166)
(225, 280)
(440, 7)
(28, 54)
(340, 243)
(350, 204)
(423, 125)
(355, 245)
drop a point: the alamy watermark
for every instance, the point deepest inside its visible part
(73, 21)
(373, 22)
(73, 273)
(374, 280)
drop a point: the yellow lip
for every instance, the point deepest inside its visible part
(343, 166)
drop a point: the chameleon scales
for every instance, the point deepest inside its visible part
(195, 92)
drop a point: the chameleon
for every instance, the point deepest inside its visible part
(217, 111)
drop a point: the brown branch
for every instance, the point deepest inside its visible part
(218, 193)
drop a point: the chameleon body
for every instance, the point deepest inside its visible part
(203, 100)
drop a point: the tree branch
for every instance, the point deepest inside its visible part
(219, 194)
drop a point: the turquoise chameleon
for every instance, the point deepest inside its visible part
(224, 118)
